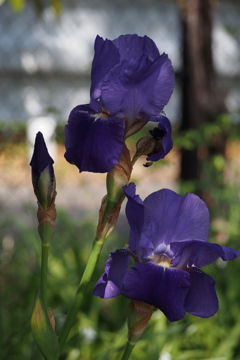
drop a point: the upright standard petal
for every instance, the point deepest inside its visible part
(165, 288)
(163, 87)
(93, 143)
(138, 87)
(201, 299)
(134, 46)
(173, 217)
(105, 58)
(136, 218)
(110, 283)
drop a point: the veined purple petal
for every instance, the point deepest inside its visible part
(201, 299)
(93, 143)
(136, 215)
(198, 253)
(135, 86)
(134, 46)
(172, 217)
(165, 127)
(162, 88)
(229, 254)
(165, 288)
(110, 283)
(105, 58)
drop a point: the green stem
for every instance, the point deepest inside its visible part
(45, 232)
(87, 275)
(44, 272)
(128, 350)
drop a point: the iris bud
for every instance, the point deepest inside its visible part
(43, 332)
(149, 145)
(44, 186)
(43, 178)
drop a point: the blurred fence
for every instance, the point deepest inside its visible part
(45, 60)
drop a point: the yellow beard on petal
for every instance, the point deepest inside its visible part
(102, 115)
(162, 260)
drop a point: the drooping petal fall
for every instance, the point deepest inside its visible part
(110, 283)
(165, 288)
(93, 143)
(201, 299)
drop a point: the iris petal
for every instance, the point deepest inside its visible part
(110, 283)
(164, 125)
(134, 46)
(173, 217)
(106, 56)
(201, 299)
(93, 144)
(135, 215)
(163, 87)
(199, 254)
(135, 86)
(165, 288)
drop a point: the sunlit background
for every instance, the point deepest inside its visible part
(46, 51)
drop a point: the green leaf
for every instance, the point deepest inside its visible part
(42, 330)
(17, 5)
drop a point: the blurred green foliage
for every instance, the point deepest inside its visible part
(192, 138)
(100, 331)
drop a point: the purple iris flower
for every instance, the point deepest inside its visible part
(168, 243)
(130, 85)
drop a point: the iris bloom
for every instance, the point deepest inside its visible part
(130, 85)
(168, 243)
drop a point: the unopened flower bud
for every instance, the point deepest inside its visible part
(156, 146)
(139, 314)
(43, 178)
(145, 145)
(44, 186)
(43, 332)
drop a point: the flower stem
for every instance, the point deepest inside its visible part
(44, 271)
(45, 232)
(87, 275)
(128, 350)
